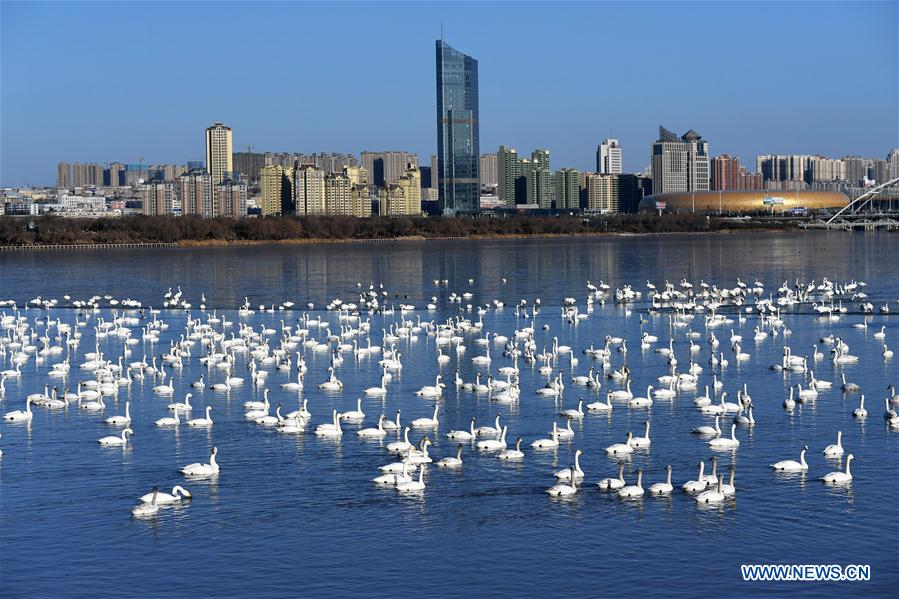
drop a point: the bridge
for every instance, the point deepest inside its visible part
(872, 210)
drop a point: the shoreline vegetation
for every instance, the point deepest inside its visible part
(191, 231)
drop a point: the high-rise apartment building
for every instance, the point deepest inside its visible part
(825, 169)
(568, 191)
(881, 171)
(114, 176)
(386, 168)
(775, 167)
(856, 168)
(158, 198)
(309, 190)
(508, 169)
(602, 192)
(458, 140)
(608, 157)
(86, 174)
(358, 175)
(219, 157)
(338, 195)
(893, 165)
(725, 170)
(404, 198)
(680, 164)
(63, 174)
(136, 173)
(524, 180)
(488, 171)
(231, 198)
(197, 194)
(539, 179)
(729, 175)
(275, 183)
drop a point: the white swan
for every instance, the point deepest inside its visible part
(613, 484)
(715, 495)
(598, 406)
(789, 403)
(836, 449)
(427, 422)
(725, 442)
(169, 420)
(623, 393)
(664, 488)
(494, 444)
(512, 454)
(838, 476)
(860, 411)
(451, 462)
(198, 469)
(565, 473)
(700, 484)
(621, 448)
(119, 420)
(576, 414)
(115, 440)
(147, 509)
(207, 421)
(377, 391)
(460, 435)
(431, 391)
(178, 494)
(20, 415)
(330, 429)
(564, 489)
(182, 406)
(550, 443)
(333, 383)
(792, 465)
(394, 478)
(353, 415)
(633, 491)
(412, 486)
(708, 430)
(643, 441)
(373, 433)
(400, 446)
(392, 425)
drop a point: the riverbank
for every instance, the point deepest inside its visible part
(190, 231)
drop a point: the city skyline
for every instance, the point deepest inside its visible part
(72, 118)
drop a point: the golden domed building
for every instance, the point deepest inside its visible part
(776, 200)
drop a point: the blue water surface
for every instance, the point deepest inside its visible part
(293, 515)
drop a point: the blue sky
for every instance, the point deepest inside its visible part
(113, 81)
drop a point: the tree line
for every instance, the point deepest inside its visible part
(46, 230)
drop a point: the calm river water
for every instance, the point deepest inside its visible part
(295, 515)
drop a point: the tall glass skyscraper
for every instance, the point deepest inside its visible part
(457, 131)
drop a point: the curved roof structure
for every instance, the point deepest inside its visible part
(744, 201)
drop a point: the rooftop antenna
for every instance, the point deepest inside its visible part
(441, 31)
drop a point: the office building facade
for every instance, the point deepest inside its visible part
(608, 157)
(680, 164)
(458, 141)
